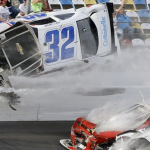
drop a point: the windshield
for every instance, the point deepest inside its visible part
(88, 37)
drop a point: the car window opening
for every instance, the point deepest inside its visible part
(88, 37)
(64, 16)
(43, 21)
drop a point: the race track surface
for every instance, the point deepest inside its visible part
(33, 135)
(45, 135)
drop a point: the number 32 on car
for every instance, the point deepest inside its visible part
(61, 45)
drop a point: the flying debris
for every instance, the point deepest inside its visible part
(7, 90)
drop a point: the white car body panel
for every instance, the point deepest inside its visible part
(100, 17)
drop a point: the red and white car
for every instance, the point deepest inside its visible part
(85, 137)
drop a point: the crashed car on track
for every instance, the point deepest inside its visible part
(85, 136)
(44, 42)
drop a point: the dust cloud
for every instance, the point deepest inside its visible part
(120, 117)
(80, 87)
(129, 69)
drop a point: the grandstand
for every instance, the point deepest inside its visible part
(134, 5)
(137, 10)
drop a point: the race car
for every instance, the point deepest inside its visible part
(46, 41)
(85, 136)
(43, 42)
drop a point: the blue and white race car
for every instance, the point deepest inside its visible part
(45, 41)
(42, 42)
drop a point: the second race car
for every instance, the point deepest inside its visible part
(85, 136)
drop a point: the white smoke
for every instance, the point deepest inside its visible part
(117, 118)
(78, 85)
(130, 69)
(139, 141)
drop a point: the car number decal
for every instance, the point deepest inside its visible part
(67, 52)
(56, 50)
(54, 55)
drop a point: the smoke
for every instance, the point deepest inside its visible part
(80, 87)
(137, 141)
(117, 117)
(129, 69)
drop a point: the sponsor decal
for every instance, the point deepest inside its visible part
(12, 23)
(105, 32)
(19, 48)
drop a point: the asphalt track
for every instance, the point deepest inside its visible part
(45, 135)
(33, 135)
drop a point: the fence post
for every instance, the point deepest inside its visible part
(28, 5)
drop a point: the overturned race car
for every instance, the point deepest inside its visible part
(39, 43)
(86, 136)
(55, 39)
